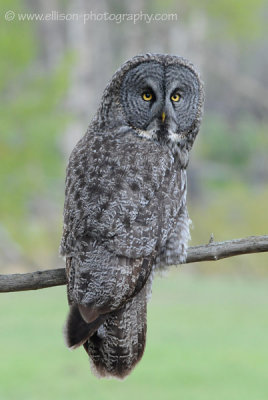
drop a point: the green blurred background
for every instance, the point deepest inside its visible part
(207, 322)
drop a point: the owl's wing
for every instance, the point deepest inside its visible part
(100, 281)
(122, 191)
(122, 200)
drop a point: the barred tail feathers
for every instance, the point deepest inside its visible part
(118, 344)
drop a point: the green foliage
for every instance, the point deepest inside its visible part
(233, 145)
(31, 123)
(231, 212)
(237, 18)
(17, 46)
(243, 20)
(207, 338)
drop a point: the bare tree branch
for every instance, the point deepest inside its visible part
(32, 280)
(211, 252)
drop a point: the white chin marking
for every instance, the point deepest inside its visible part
(150, 134)
(172, 137)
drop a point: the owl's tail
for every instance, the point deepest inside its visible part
(118, 345)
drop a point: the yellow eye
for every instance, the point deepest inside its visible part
(175, 97)
(147, 96)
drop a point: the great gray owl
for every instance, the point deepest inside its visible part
(125, 209)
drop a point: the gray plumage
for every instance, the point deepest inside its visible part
(125, 209)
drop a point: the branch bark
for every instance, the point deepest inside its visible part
(211, 252)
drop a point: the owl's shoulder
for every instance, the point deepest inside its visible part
(116, 186)
(120, 148)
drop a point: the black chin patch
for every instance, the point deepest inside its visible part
(162, 132)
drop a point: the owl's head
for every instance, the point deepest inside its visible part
(159, 96)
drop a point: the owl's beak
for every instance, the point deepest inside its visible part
(163, 117)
